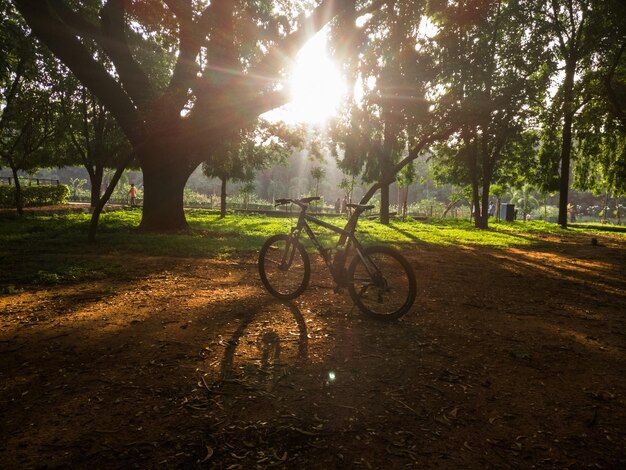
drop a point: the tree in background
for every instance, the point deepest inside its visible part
(569, 22)
(599, 127)
(392, 71)
(91, 136)
(601, 164)
(405, 178)
(259, 145)
(589, 36)
(524, 199)
(246, 190)
(347, 185)
(498, 191)
(495, 70)
(27, 115)
(317, 173)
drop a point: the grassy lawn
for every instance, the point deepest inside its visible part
(45, 250)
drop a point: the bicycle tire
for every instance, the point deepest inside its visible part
(382, 299)
(286, 282)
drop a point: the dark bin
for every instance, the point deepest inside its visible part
(507, 212)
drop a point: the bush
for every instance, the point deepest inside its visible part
(193, 198)
(35, 195)
(7, 195)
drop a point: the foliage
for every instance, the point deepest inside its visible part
(524, 199)
(194, 198)
(384, 58)
(91, 137)
(33, 196)
(586, 34)
(179, 78)
(430, 207)
(492, 71)
(317, 173)
(260, 144)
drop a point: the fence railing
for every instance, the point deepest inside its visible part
(38, 181)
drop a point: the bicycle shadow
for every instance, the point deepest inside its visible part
(267, 345)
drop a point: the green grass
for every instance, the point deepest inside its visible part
(48, 250)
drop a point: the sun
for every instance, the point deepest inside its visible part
(316, 84)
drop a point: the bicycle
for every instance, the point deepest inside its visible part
(379, 279)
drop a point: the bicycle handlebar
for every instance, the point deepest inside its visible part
(303, 202)
(299, 202)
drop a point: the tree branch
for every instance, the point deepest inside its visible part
(308, 26)
(115, 45)
(413, 154)
(59, 38)
(95, 216)
(190, 41)
(618, 109)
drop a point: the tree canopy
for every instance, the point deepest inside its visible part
(512, 92)
(178, 76)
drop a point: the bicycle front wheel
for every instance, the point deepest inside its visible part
(284, 267)
(382, 283)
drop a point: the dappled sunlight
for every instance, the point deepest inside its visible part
(179, 331)
(117, 305)
(445, 233)
(594, 273)
(589, 342)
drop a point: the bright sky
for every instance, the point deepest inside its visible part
(315, 83)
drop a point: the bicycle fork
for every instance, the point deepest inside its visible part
(288, 255)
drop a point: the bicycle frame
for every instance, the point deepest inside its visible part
(346, 237)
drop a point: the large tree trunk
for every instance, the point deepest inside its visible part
(164, 186)
(566, 146)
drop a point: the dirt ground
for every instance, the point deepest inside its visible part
(509, 358)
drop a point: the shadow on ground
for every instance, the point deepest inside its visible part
(509, 358)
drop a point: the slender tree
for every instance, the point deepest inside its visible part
(569, 22)
(91, 135)
(253, 148)
(495, 70)
(27, 111)
(381, 127)
(317, 173)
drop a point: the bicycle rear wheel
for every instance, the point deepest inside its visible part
(382, 283)
(284, 267)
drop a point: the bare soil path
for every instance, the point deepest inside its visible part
(509, 358)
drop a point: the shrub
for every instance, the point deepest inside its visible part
(7, 195)
(193, 198)
(35, 195)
